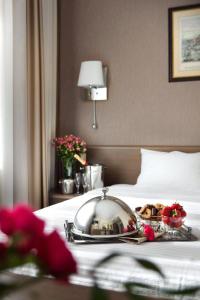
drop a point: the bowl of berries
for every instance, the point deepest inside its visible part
(173, 216)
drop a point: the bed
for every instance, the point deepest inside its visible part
(180, 261)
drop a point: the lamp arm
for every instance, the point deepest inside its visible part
(94, 124)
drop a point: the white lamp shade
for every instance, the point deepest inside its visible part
(91, 74)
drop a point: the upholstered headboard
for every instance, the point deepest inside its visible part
(122, 163)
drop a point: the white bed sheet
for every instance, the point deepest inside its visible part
(180, 261)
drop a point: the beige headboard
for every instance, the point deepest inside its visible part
(123, 162)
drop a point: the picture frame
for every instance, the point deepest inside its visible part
(184, 43)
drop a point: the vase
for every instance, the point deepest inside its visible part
(68, 169)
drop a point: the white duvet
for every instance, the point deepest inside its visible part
(180, 261)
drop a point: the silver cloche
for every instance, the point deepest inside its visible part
(104, 217)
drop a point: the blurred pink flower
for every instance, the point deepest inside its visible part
(57, 258)
(26, 238)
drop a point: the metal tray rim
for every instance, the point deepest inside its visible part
(113, 236)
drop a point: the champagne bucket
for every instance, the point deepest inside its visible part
(66, 186)
(95, 176)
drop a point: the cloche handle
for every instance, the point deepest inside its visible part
(104, 190)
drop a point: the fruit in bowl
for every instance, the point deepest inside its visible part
(173, 215)
(174, 222)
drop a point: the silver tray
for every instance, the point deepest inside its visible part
(183, 233)
(103, 236)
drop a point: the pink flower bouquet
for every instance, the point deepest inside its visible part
(67, 146)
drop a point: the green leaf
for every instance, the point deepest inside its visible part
(107, 259)
(149, 266)
(98, 294)
(143, 262)
(14, 260)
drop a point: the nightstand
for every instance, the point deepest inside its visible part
(57, 197)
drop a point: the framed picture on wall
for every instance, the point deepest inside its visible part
(184, 43)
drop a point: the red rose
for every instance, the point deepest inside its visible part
(23, 226)
(149, 233)
(25, 235)
(20, 219)
(25, 221)
(24, 242)
(55, 256)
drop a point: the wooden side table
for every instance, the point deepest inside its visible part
(57, 197)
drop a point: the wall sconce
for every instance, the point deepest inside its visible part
(93, 77)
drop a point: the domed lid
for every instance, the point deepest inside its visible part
(104, 217)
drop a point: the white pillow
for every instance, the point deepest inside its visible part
(169, 169)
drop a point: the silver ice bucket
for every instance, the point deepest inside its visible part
(66, 186)
(95, 176)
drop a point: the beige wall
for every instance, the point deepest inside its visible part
(131, 37)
